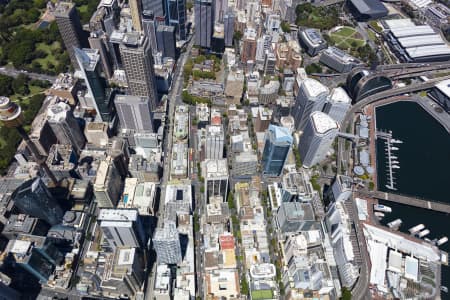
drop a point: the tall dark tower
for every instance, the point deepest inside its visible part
(70, 28)
(33, 198)
(11, 116)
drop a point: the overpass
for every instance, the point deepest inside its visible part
(409, 200)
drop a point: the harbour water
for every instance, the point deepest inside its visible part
(424, 160)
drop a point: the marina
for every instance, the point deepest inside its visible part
(392, 160)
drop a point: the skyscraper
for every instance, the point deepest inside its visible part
(98, 40)
(228, 21)
(216, 178)
(249, 46)
(338, 104)
(65, 127)
(89, 63)
(214, 142)
(136, 10)
(134, 113)
(165, 37)
(176, 16)
(70, 28)
(33, 198)
(311, 97)
(166, 242)
(204, 22)
(278, 142)
(108, 184)
(317, 138)
(149, 25)
(137, 60)
(122, 228)
(221, 7)
(155, 6)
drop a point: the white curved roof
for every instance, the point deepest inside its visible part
(323, 122)
(313, 87)
(339, 95)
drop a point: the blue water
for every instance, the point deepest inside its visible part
(424, 159)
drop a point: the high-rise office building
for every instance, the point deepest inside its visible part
(216, 178)
(33, 198)
(65, 126)
(176, 16)
(70, 28)
(32, 254)
(249, 45)
(338, 104)
(137, 60)
(228, 22)
(317, 138)
(122, 228)
(166, 40)
(214, 142)
(204, 22)
(155, 6)
(136, 10)
(278, 142)
(221, 7)
(149, 24)
(98, 40)
(89, 63)
(311, 97)
(134, 113)
(107, 184)
(166, 242)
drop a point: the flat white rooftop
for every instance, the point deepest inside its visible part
(323, 122)
(313, 87)
(117, 214)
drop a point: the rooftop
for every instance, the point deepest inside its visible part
(444, 87)
(110, 214)
(216, 168)
(323, 122)
(339, 95)
(313, 87)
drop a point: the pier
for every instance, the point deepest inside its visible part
(390, 157)
(408, 200)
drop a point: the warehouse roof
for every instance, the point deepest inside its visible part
(423, 40)
(369, 6)
(433, 50)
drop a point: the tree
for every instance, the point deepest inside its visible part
(285, 27)
(346, 294)
(244, 286)
(237, 36)
(5, 85)
(313, 68)
(20, 85)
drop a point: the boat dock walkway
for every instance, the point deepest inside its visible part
(409, 200)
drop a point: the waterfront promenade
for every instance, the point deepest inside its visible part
(408, 200)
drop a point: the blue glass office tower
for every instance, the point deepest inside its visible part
(176, 16)
(33, 198)
(277, 143)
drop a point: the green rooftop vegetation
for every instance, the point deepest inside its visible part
(262, 294)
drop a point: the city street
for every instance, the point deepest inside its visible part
(174, 99)
(10, 71)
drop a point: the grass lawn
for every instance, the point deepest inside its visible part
(50, 58)
(347, 37)
(33, 91)
(262, 294)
